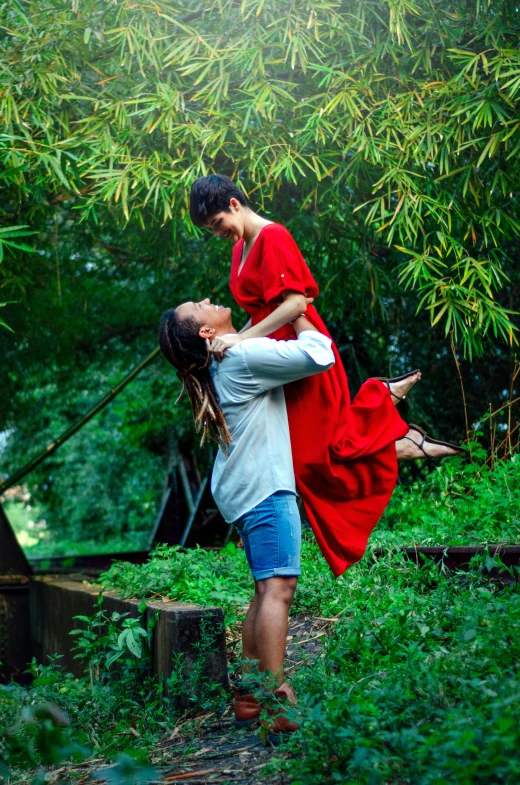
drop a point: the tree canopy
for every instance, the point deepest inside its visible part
(383, 134)
(397, 116)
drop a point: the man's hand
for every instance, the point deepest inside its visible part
(219, 344)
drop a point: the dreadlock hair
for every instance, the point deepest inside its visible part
(210, 195)
(183, 347)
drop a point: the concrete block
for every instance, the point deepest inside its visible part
(15, 638)
(54, 603)
(180, 629)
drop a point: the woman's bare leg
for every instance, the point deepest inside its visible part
(408, 449)
(399, 389)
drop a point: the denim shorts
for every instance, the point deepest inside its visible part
(271, 534)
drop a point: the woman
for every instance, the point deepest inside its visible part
(343, 453)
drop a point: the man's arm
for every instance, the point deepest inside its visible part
(275, 363)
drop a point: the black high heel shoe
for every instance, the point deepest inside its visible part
(428, 440)
(388, 382)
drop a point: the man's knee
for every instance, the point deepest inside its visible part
(279, 588)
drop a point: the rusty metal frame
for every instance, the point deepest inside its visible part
(12, 558)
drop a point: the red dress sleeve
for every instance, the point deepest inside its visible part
(283, 267)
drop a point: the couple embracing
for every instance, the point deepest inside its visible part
(275, 397)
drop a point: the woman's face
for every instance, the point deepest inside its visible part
(229, 225)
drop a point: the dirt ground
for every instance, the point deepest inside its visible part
(206, 750)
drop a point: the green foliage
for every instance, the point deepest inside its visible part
(2, 323)
(219, 578)
(407, 113)
(108, 480)
(189, 686)
(104, 485)
(103, 705)
(36, 736)
(39, 737)
(116, 706)
(6, 243)
(129, 770)
(456, 503)
(107, 640)
(419, 679)
(6, 239)
(383, 135)
(419, 682)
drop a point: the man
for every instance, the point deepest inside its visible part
(241, 403)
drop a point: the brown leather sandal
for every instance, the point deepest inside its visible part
(278, 726)
(428, 440)
(247, 708)
(388, 382)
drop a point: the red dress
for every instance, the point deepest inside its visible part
(344, 454)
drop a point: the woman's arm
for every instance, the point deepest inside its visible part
(294, 305)
(303, 325)
(246, 326)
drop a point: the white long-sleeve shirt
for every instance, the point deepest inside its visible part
(249, 383)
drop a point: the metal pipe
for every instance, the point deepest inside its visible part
(193, 511)
(57, 443)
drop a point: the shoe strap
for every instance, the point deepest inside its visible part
(417, 444)
(399, 397)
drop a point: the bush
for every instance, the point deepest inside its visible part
(457, 503)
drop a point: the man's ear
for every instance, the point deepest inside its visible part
(207, 332)
(234, 205)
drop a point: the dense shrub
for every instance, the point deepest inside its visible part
(456, 503)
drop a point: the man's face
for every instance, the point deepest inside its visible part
(213, 319)
(229, 225)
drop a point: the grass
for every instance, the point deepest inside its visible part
(419, 680)
(456, 503)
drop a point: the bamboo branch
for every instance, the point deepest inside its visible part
(457, 363)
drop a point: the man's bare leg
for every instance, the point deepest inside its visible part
(264, 632)
(271, 623)
(249, 650)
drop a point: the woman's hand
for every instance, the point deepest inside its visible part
(219, 344)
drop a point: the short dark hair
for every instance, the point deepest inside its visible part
(210, 195)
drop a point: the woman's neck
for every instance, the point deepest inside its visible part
(253, 223)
